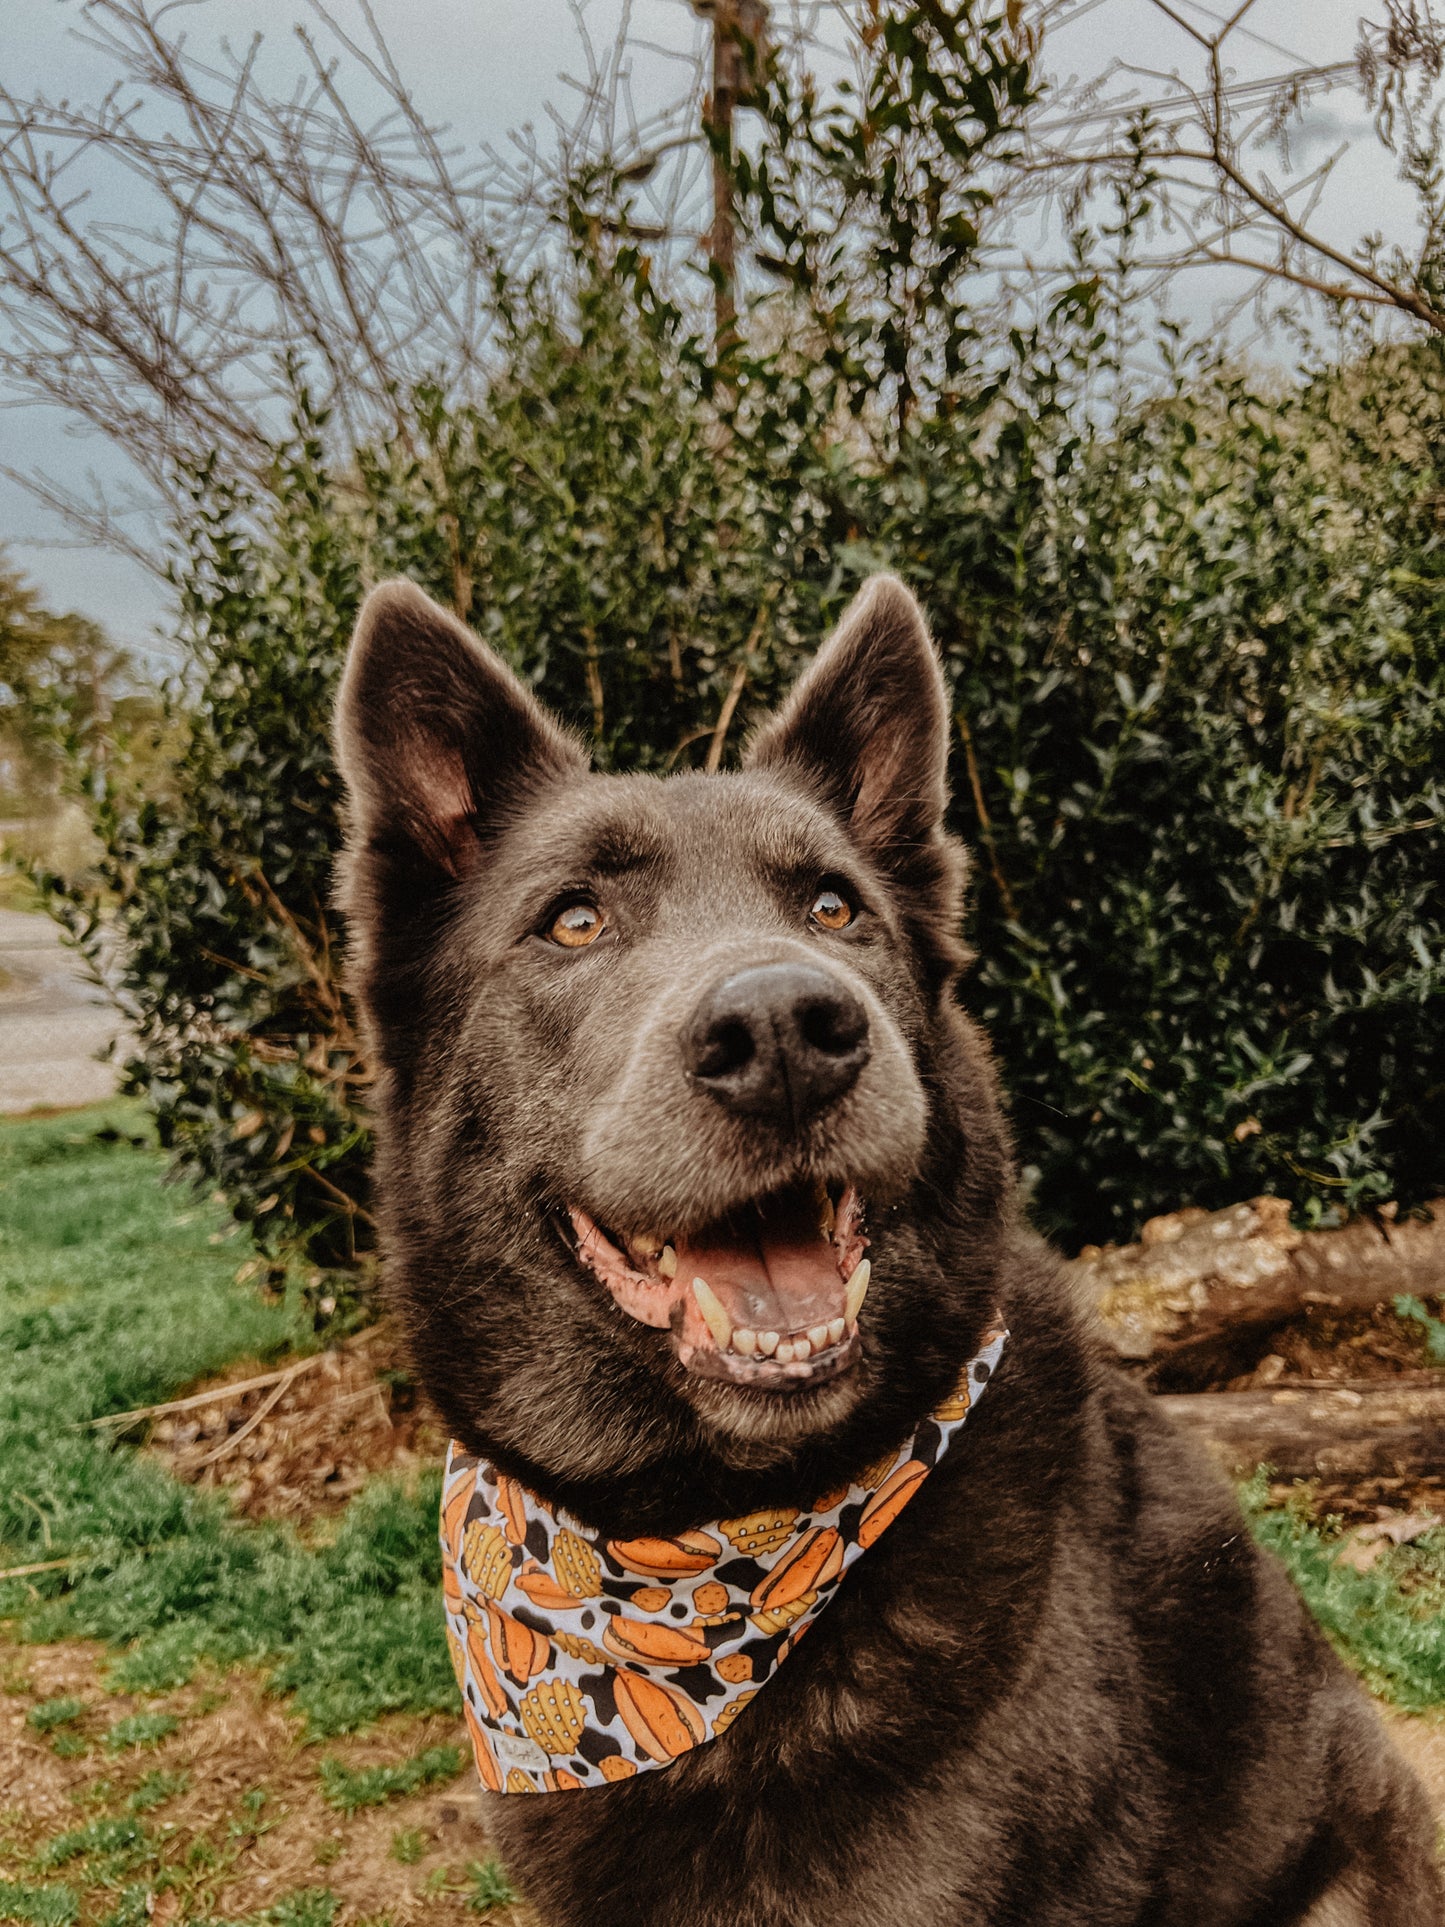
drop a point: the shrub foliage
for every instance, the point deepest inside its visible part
(1194, 641)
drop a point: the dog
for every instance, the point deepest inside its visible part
(632, 1033)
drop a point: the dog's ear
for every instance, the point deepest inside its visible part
(436, 738)
(866, 726)
(866, 731)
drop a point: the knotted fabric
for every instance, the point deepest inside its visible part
(584, 1660)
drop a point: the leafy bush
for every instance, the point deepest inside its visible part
(1194, 639)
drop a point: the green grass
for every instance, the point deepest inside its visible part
(350, 1788)
(117, 1290)
(141, 1729)
(52, 1713)
(1389, 1622)
(490, 1887)
(49, 1906)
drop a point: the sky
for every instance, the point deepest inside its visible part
(486, 67)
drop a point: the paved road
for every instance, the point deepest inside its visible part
(52, 1022)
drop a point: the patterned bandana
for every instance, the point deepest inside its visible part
(584, 1660)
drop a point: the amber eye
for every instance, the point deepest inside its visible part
(832, 910)
(579, 924)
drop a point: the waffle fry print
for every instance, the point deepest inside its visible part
(584, 1660)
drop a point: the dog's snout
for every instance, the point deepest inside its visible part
(778, 1041)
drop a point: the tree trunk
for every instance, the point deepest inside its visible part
(1200, 1281)
(1366, 1429)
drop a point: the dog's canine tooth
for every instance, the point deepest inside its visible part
(768, 1343)
(836, 1330)
(857, 1290)
(713, 1315)
(818, 1334)
(667, 1262)
(745, 1342)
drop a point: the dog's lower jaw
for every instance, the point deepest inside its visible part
(751, 1431)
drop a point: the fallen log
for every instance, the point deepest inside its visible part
(1365, 1429)
(1198, 1282)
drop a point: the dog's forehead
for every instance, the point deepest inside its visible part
(687, 830)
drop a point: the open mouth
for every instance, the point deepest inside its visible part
(767, 1297)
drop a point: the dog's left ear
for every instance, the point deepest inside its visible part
(866, 727)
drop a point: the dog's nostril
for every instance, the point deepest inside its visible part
(834, 1026)
(727, 1047)
(779, 1041)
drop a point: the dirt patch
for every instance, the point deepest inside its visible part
(1325, 1346)
(225, 1806)
(299, 1445)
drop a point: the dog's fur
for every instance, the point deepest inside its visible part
(1065, 1686)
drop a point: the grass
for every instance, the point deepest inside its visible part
(347, 1788)
(1389, 1622)
(116, 1290)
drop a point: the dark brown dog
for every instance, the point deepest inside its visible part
(1064, 1686)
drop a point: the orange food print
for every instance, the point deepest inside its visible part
(812, 1562)
(487, 1767)
(516, 1648)
(584, 1660)
(660, 1720)
(760, 1532)
(484, 1673)
(646, 1642)
(451, 1587)
(542, 1589)
(486, 1557)
(889, 1500)
(682, 1557)
(554, 1714)
(514, 1510)
(956, 1405)
(454, 1511)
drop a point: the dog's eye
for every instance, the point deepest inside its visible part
(579, 924)
(831, 909)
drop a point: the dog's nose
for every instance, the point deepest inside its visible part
(778, 1041)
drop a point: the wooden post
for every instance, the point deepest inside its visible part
(735, 24)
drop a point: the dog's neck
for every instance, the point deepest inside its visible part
(583, 1660)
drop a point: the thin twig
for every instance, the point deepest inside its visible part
(217, 1395)
(272, 1398)
(985, 822)
(40, 1565)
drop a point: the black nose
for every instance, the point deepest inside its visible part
(778, 1041)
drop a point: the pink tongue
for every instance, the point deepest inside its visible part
(772, 1272)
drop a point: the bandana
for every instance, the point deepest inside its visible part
(583, 1660)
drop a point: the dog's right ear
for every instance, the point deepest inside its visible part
(437, 740)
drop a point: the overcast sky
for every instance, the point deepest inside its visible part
(484, 67)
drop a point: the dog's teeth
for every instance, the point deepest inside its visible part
(646, 1246)
(768, 1343)
(784, 1353)
(713, 1315)
(745, 1342)
(857, 1290)
(667, 1262)
(818, 1334)
(825, 1212)
(836, 1330)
